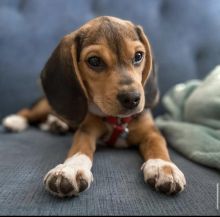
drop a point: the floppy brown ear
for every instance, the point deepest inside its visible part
(149, 74)
(62, 83)
(152, 93)
(148, 54)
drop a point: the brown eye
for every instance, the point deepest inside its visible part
(138, 57)
(95, 62)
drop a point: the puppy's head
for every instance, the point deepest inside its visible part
(107, 63)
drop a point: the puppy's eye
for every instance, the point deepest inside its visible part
(138, 58)
(95, 62)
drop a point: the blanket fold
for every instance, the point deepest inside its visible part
(192, 122)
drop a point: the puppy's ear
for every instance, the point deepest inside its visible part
(148, 54)
(62, 83)
(149, 74)
(152, 93)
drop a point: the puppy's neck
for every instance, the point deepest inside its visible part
(94, 109)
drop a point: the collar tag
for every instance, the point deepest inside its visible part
(120, 128)
(124, 134)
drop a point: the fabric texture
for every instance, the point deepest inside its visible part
(192, 122)
(118, 187)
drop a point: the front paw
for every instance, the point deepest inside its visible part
(66, 180)
(164, 176)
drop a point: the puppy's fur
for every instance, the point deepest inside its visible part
(80, 95)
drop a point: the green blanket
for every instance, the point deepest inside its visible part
(192, 122)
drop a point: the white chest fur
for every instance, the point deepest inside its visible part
(121, 142)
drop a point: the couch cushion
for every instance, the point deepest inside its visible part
(118, 187)
(184, 36)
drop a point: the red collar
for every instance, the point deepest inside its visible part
(119, 127)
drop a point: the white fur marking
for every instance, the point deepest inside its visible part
(80, 160)
(50, 120)
(69, 169)
(94, 109)
(44, 127)
(153, 168)
(15, 123)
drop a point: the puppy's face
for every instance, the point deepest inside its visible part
(111, 61)
(106, 62)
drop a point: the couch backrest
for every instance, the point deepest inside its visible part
(185, 36)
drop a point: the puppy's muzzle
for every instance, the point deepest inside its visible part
(129, 100)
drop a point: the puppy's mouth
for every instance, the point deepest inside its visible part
(95, 109)
(124, 104)
(125, 113)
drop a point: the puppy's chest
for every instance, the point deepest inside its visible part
(117, 132)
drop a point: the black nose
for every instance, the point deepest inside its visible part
(129, 100)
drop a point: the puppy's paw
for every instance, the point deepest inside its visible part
(15, 123)
(164, 176)
(54, 125)
(67, 180)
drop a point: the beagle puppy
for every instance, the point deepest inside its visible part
(101, 81)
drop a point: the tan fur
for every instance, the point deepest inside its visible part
(38, 113)
(143, 131)
(86, 136)
(105, 95)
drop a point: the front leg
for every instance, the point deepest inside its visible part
(159, 171)
(74, 175)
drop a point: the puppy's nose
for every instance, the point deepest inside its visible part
(129, 100)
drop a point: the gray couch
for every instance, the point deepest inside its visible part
(186, 40)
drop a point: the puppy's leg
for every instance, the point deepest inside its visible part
(159, 171)
(36, 114)
(74, 175)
